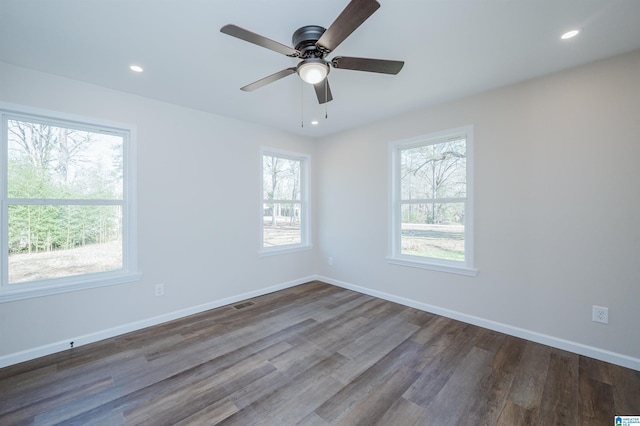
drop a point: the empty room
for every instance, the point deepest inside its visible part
(338, 212)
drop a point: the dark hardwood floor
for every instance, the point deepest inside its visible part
(316, 354)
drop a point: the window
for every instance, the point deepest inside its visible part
(67, 214)
(431, 201)
(284, 204)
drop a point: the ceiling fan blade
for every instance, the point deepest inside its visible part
(356, 12)
(267, 80)
(367, 64)
(246, 35)
(323, 91)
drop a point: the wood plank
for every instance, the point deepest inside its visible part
(486, 410)
(371, 408)
(58, 396)
(274, 406)
(529, 381)
(441, 356)
(313, 420)
(514, 415)
(626, 390)
(212, 414)
(402, 413)
(340, 403)
(389, 327)
(594, 369)
(173, 402)
(595, 402)
(257, 390)
(508, 355)
(296, 409)
(373, 350)
(431, 329)
(559, 405)
(451, 404)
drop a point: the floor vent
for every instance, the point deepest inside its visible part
(243, 305)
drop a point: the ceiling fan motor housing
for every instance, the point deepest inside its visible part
(304, 40)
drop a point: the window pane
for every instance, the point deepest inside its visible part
(434, 171)
(281, 178)
(46, 161)
(433, 230)
(281, 224)
(53, 241)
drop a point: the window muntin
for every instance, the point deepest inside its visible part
(284, 222)
(431, 209)
(68, 218)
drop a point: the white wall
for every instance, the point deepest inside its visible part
(198, 216)
(557, 201)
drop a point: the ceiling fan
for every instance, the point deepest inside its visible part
(312, 43)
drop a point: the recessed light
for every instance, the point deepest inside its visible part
(136, 68)
(314, 122)
(570, 34)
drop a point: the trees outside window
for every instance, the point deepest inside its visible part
(67, 202)
(284, 219)
(431, 208)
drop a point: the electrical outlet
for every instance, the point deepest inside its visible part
(330, 261)
(159, 290)
(600, 314)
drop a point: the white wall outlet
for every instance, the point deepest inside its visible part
(159, 290)
(330, 261)
(600, 314)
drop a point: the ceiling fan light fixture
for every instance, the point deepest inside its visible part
(312, 70)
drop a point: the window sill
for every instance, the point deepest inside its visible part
(15, 292)
(440, 267)
(283, 250)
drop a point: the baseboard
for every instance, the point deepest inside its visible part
(29, 354)
(567, 345)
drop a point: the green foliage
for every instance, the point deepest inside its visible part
(46, 163)
(433, 213)
(36, 228)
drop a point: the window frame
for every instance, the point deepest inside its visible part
(50, 286)
(305, 204)
(395, 255)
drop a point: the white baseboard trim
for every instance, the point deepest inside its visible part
(29, 354)
(567, 345)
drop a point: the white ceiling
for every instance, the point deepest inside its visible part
(451, 49)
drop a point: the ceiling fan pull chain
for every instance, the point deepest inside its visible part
(326, 98)
(301, 104)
